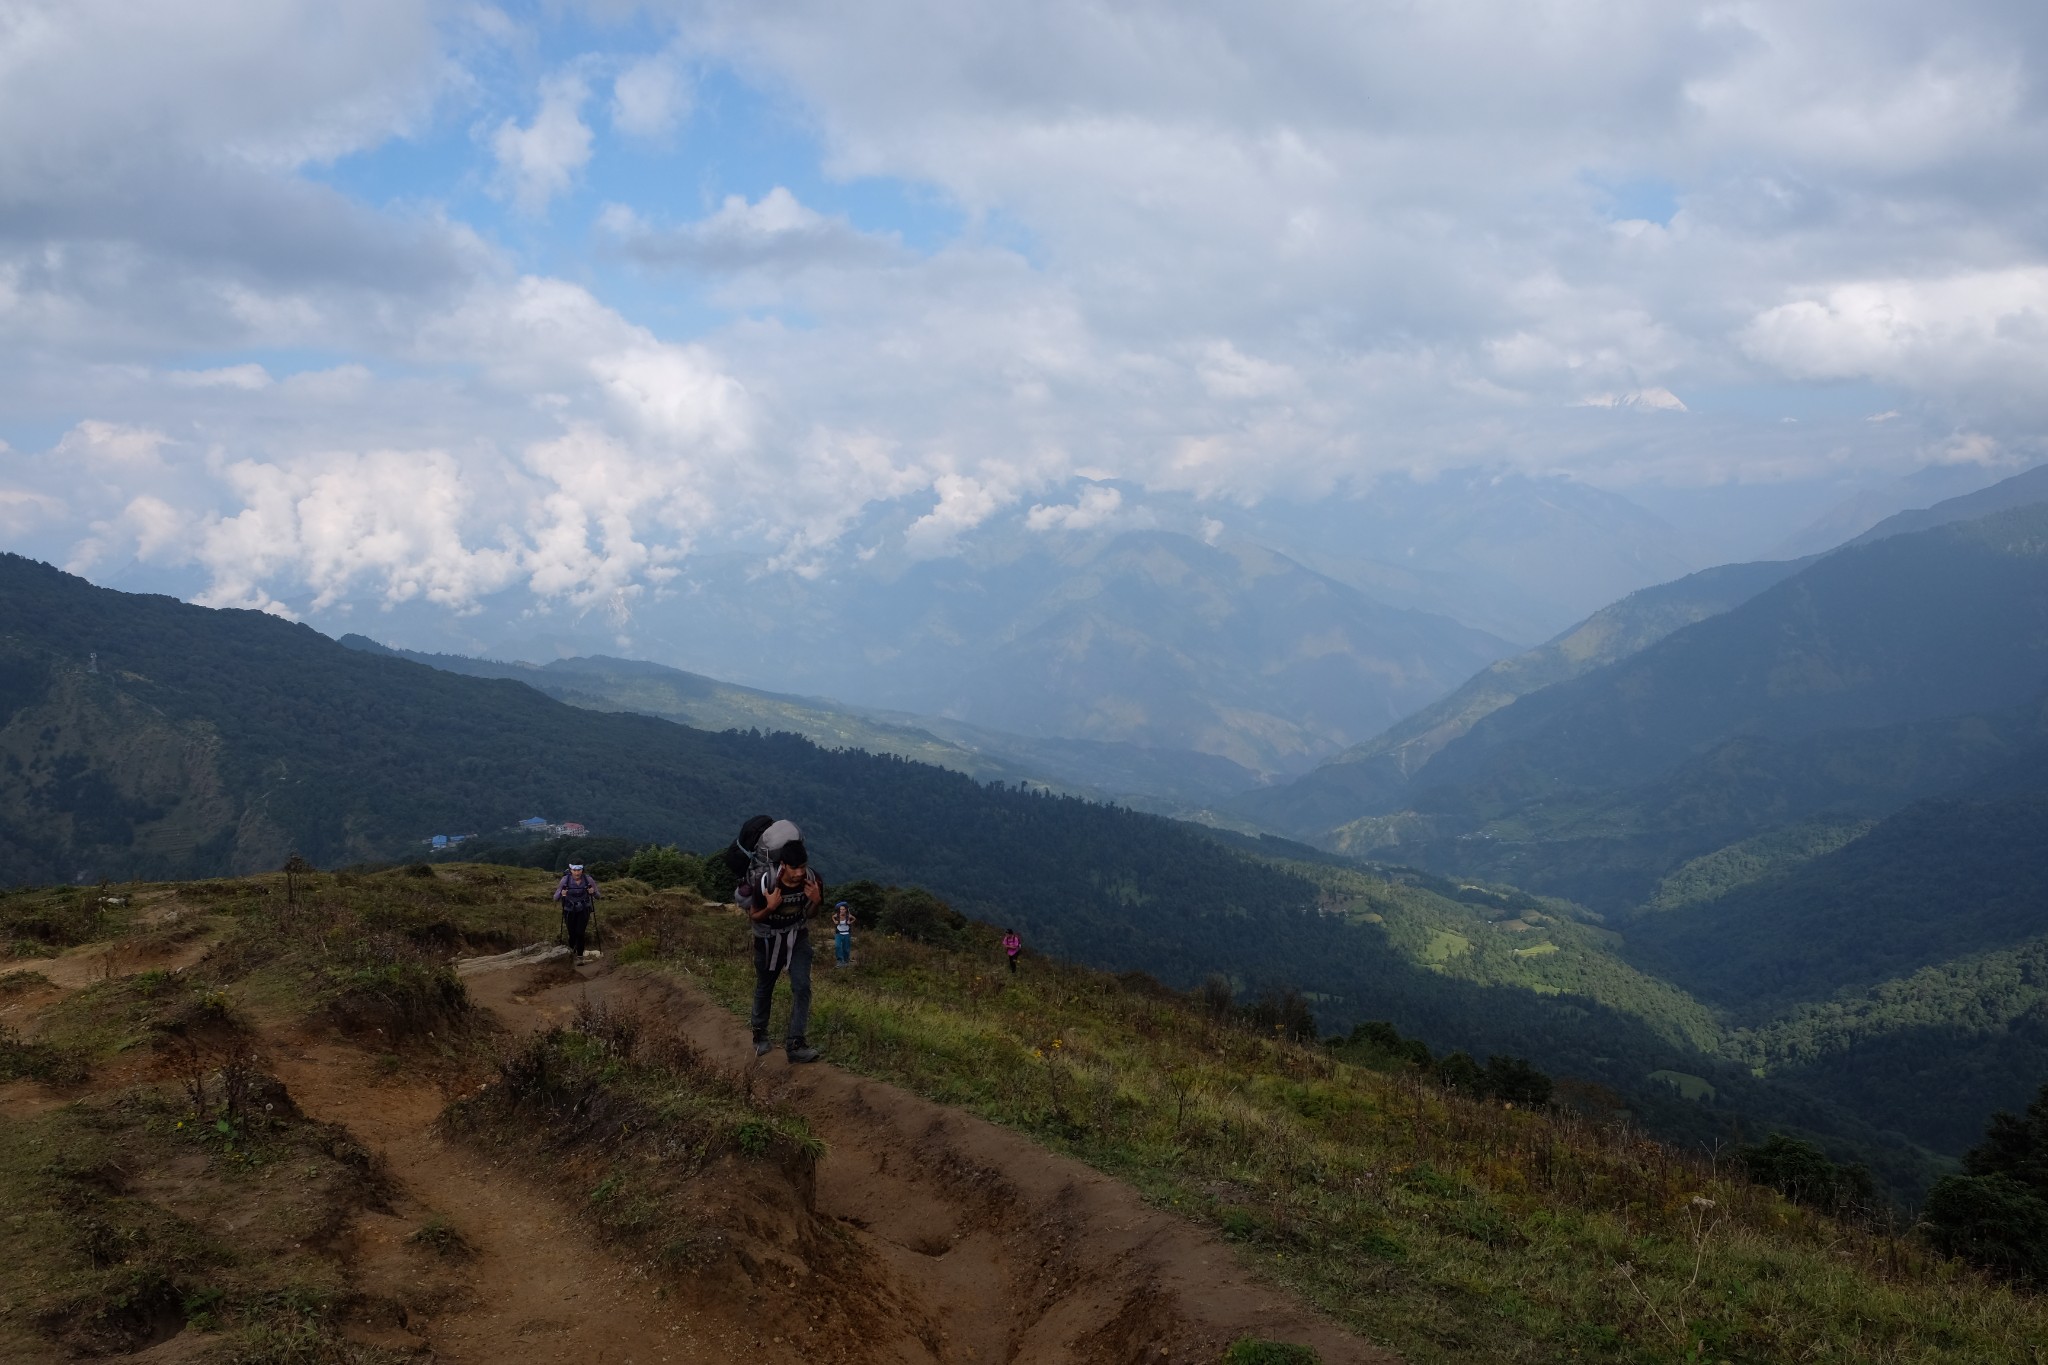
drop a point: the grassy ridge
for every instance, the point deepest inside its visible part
(1447, 1228)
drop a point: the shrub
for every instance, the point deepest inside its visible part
(1512, 1080)
(1379, 1045)
(866, 899)
(1989, 1220)
(1996, 1215)
(1803, 1174)
(663, 866)
(1252, 1352)
(1460, 1073)
(1283, 1010)
(37, 1061)
(918, 915)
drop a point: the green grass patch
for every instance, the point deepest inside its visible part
(1251, 1352)
(1686, 1084)
(1446, 1228)
(1444, 945)
(115, 1239)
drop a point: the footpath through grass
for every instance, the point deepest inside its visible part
(1446, 1228)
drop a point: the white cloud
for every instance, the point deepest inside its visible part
(1095, 507)
(109, 446)
(542, 159)
(1970, 447)
(1648, 400)
(1950, 333)
(22, 510)
(391, 521)
(650, 97)
(245, 377)
(775, 232)
(964, 503)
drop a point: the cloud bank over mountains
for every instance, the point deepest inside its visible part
(413, 302)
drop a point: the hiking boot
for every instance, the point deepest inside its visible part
(801, 1051)
(761, 1045)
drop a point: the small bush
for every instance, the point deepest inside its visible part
(1989, 1220)
(1251, 1352)
(440, 1236)
(1512, 1080)
(37, 1061)
(1803, 1174)
(665, 866)
(1283, 1011)
(918, 915)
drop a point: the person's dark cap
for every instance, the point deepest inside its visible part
(792, 854)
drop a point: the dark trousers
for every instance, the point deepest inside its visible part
(577, 922)
(769, 960)
(1013, 964)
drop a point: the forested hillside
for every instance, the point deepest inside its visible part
(1372, 778)
(1149, 778)
(1939, 881)
(1820, 814)
(1393, 769)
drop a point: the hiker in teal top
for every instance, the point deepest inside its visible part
(842, 934)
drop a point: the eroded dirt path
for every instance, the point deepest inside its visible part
(538, 1288)
(973, 1245)
(1013, 1253)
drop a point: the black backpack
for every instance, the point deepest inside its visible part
(744, 861)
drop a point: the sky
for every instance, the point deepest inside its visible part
(405, 302)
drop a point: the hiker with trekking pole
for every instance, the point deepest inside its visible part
(780, 894)
(577, 891)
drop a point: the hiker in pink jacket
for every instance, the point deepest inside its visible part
(1012, 945)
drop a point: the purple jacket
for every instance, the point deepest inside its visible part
(568, 895)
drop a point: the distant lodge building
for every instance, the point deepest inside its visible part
(536, 824)
(442, 842)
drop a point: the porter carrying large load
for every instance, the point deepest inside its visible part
(752, 852)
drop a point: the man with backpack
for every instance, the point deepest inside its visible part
(577, 891)
(780, 899)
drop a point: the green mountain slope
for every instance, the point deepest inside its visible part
(1372, 778)
(2021, 490)
(1937, 881)
(1947, 622)
(1612, 850)
(1934, 1052)
(1161, 779)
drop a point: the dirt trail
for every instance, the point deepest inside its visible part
(1016, 1254)
(958, 1242)
(538, 1289)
